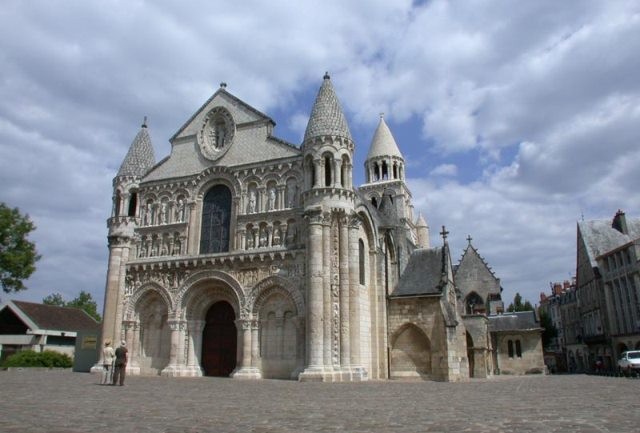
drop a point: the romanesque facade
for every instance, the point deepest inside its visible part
(243, 255)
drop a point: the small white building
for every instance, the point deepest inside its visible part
(39, 327)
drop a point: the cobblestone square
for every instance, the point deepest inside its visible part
(62, 401)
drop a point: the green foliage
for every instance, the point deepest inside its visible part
(83, 301)
(54, 299)
(17, 255)
(29, 358)
(550, 332)
(518, 305)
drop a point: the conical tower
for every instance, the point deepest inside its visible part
(124, 218)
(333, 304)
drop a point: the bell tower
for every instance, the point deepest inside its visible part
(124, 219)
(333, 303)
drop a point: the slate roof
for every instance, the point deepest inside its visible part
(51, 317)
(520, 321)
(327, 117)
(423, 273)
(383, 143)
(600, 237)
(140, 158)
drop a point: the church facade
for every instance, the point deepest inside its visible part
(243, 255)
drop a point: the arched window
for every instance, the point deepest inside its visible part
(361, 260)
(474, 304)
(385, 171)
(395, 170)
(374, 202)
(510, 348)
(118, 201)
(518, 349)
(216, 217)
(133, 204)
(327, 170)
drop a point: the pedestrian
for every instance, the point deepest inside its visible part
(108, 356)
(120, 364)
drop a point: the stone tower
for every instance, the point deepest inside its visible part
(333, 335)
(125, 217)
(387, 191)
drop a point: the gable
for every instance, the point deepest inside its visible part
(473, 275)
(11, 324)
(250, 140)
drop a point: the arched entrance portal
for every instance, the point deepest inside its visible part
(219, 340)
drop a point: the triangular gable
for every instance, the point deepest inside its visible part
(29, 323)
(240, 110)
(473, 274)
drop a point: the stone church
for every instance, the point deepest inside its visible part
(243, 255)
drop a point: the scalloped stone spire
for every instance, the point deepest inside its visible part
(383, 143)
(140, 157)
(327, 117)
(421, 222)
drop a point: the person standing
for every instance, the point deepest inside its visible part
(120, 364)
(108, 356)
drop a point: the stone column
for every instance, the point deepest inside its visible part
(281, 197)
(114, 291)
(246, 370)
(195, 338)
(255, 344)
(317, 165)
(357, 371)
(175, 367)
(345, 336)
(129, 332)
(135, 346)
(192, 246)
(261, 206)
(337, 173)
(314, 340)
(326, 288)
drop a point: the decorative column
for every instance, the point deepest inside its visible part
(114, 292)
(345, 336)
(357, 371)
(337, 173)
(193, 246)
(134, 353)
(255, 345)
(176, 365)
(317, 165)
(314, 369)
(326, 288)
(129, 336)
(246, 370)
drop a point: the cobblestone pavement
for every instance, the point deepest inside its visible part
(62, 401)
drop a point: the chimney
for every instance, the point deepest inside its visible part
(557, 288)
(620, 222)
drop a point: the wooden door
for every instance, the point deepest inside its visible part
(219, 340)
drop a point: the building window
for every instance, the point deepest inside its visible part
(327, 170)
(133, 204)
(510, 348)
(361, 260)
(216, 217)
(518, 349)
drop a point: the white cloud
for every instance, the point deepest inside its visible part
(546, 93)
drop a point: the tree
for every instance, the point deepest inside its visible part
(54, 299)
(550, 332)
(17, 254)
(517, 305)
(83, 301)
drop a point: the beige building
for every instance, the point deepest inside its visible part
(243, 255)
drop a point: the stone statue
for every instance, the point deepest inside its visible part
(180, 211)
(249, 240)
(252, 202)
(163, 213)
(291, 195)
(271, 204)
(263, 238)
(277, 235)
(147, 214)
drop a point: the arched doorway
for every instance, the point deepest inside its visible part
(470, 354)
(219, 340)
(410, 353)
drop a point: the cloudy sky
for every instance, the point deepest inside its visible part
(517, 119)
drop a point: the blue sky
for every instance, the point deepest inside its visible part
(515, 118)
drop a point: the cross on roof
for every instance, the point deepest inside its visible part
(469, 239)
(444, 233)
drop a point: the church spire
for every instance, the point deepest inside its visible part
(327, 118)
(384, 161)
(383, 143)
(140, 157)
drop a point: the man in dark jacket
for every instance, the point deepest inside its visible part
(120, 363)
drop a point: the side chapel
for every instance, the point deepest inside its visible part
(243, 255)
